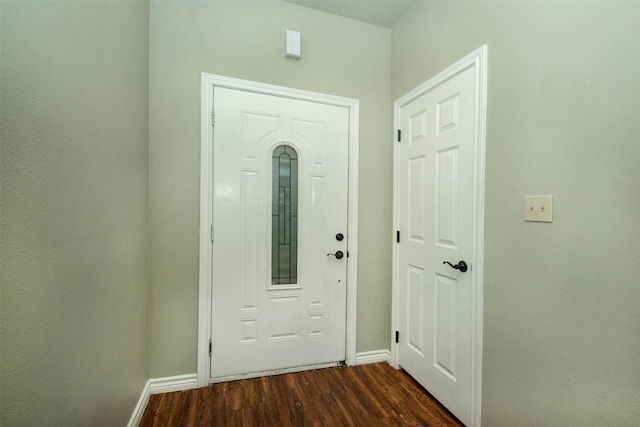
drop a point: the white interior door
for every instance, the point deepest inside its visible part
(280, 180)
(436, 160)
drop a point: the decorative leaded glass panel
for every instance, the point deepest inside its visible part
(284, 216)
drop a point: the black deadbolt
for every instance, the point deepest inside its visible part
(339, 237)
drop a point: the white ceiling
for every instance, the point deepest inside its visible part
(384, 13)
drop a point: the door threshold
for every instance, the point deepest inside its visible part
(275, 372)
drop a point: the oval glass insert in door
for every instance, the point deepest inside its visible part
(284, 216)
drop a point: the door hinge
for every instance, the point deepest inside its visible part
(397, 236)
(209, 348)
(211, 233)
(399, 135)
(397, 337)
(213, 117)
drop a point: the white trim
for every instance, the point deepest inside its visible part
(206, 219)
(160, 385)
(138, 411)
(477, 59)
(476, 376)
(207, 82)
(376, 356)
(169, 384)
(352, 226)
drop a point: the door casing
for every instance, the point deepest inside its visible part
(207, 119)
(477, 59)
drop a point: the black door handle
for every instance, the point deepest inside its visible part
(338, 255)
(462, 266)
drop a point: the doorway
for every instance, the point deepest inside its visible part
(438, 212)
(278, 237)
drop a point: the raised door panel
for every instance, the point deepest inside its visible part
(415, 310)
(444, 338)
(446, 197)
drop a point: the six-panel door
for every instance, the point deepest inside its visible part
(435, 213)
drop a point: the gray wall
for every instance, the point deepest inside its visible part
(561, 312)
(79, 79)
(246, 40)
(74, 156)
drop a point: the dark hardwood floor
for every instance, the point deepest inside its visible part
(365, 395)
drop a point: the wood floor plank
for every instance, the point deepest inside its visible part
(366, 395)
(150, 410)
(191, 414)
(206, 406)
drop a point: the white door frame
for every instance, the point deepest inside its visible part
(477, 59)
(208, 82)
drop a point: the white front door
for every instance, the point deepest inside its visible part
(436, 170)
(280, 180)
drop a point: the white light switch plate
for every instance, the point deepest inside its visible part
(538, 208)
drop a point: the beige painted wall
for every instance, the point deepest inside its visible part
(74, 155)
(562, 316)
(246, 40)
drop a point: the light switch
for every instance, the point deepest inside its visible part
(538, 208)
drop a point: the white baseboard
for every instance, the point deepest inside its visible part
(373, 357)
(177, 383)
(140, 406)
(161, 385)
(185, 382)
